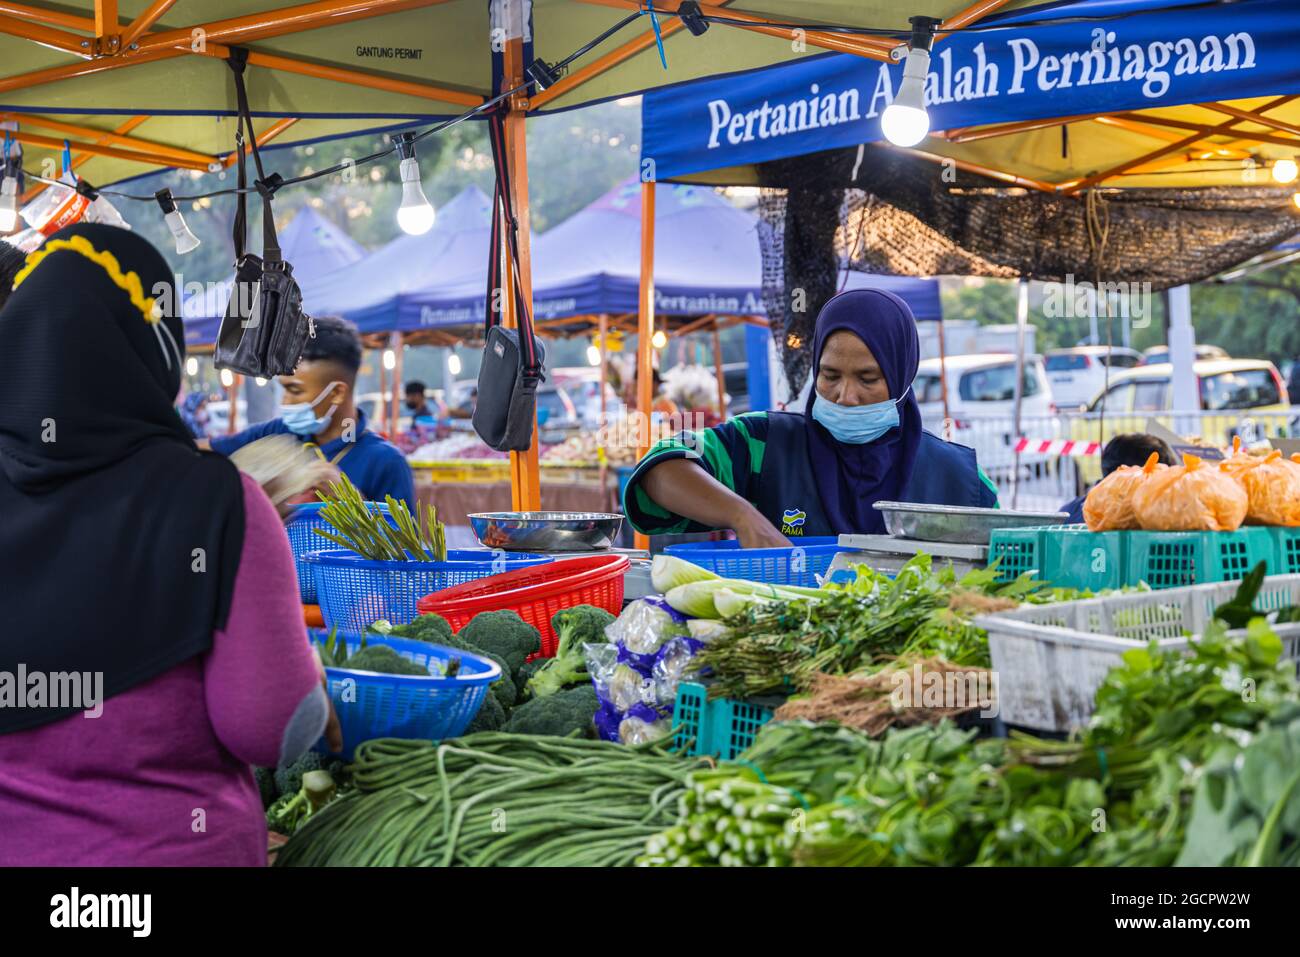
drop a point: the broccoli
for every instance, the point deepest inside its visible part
(504, 634)
(491, 716)
(288, 779)
(265, 778)
(576, 626)
(292, 808)
(431, 628)
(526, 673)
(562, 714)
(384, 660)
(504, 688)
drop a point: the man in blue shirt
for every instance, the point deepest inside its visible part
(320, 408)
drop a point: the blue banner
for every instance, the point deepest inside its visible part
(1138, 61)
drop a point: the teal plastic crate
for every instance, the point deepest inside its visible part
(722, 727)
(1069, 556)
(1065, 555)
(1175, 559)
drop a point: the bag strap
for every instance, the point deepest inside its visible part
(266, 185)
(505, 233)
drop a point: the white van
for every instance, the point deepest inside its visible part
(981, 404)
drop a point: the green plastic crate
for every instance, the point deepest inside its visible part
(1175, 559)
(722, 727)
(1017, 550)
(1286, 551)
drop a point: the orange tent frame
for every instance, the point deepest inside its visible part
(103, 42)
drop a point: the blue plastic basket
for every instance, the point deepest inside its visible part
(355, 592)
(799, 565)
(303, 539)
(371, 705)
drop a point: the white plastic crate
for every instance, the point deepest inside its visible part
(1051, 659)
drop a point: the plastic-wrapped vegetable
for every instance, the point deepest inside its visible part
(1109, 506)
(644, 724)
(1191, 497)
(1272, 488)
(628, 687)
(645, 625)
(672, 664)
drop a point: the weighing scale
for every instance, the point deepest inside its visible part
(885, 553)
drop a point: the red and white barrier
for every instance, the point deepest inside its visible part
(1057, 447)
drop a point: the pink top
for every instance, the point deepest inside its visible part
(162, 776)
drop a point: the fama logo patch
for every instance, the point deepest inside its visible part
(792, 521)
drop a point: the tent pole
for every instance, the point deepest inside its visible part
(383, 395)
(717, 371)
(525, 479)
(1022, 322)
(395, 343)
(943, 383)
(645, 329)
(604, 364)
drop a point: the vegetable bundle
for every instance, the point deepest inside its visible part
(418, 537)
(494, 800)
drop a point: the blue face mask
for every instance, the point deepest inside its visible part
(857, 424)
(301, 419)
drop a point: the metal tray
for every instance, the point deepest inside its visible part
(957, 523)
(546, 531)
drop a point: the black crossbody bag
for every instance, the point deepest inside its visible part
(513, 359)
(264, 329)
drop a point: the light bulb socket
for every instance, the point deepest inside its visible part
(692, 18)
(405, 143)
(542, 74)
(166, 202)
(923, 31)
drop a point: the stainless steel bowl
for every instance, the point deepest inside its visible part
(956, 523)
(546, 531)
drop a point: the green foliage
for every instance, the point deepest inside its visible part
(288, 779)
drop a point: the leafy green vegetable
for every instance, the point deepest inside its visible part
(576, 626)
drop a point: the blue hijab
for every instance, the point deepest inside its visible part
(851, 477)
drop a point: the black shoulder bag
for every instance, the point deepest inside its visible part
(513, 359)
(264, 329)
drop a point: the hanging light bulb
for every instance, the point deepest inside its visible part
(659, 339)
(453, 364)
(905, 122)
(186, 241)
(227, 378)
(191, 366)
(593, 355)
(1295, 200)
(390, 359)
(1285, 171)
(415, 216)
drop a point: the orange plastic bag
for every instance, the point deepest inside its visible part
(1109, 506)
(1272, 488)
(1192, 497)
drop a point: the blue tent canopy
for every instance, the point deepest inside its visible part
(316, 248)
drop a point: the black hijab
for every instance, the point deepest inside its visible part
(119, 539)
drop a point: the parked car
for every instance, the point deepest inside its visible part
(981, 404)
(1227, 387)
(1158, 355)
(1078, 374)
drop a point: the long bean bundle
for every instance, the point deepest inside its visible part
(495, 800)
(360, 529)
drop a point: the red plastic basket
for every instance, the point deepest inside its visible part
(535, 593)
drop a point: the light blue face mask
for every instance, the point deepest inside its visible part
(300, 418)
(857, 424)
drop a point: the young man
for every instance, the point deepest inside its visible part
(416, 404)
(319, 407)
(1132, 448)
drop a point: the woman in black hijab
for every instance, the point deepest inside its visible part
(141, 582)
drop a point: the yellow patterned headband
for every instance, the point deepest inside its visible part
(128, 282)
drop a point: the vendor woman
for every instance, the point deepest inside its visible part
(772, 476)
